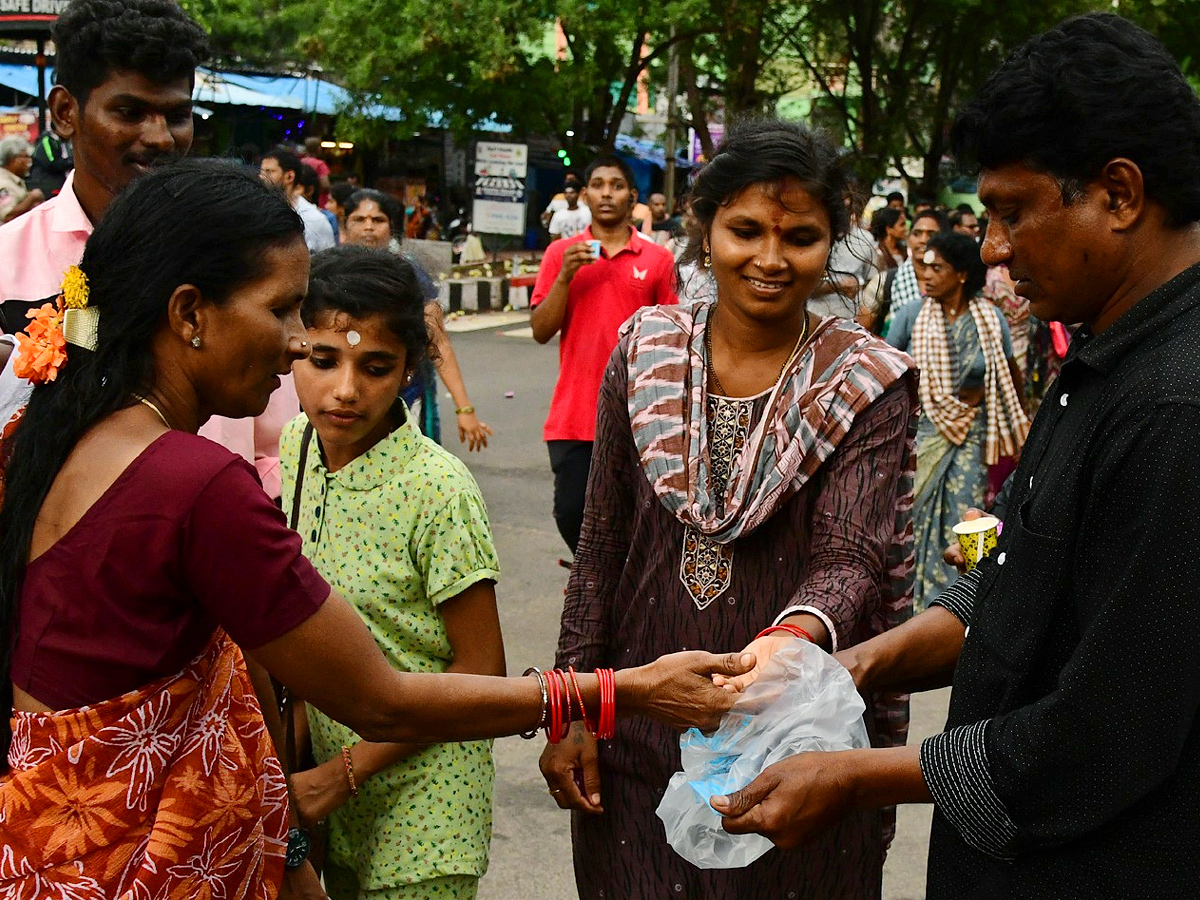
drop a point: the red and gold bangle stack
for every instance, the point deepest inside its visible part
(587, 723)
(349, 764)
(793, 630)
(560, 707)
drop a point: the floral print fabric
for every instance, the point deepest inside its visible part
(170, 791)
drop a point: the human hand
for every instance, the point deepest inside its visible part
(36, 196)
(763, 649)
(572, 763)
(678, 689)
(472, 432)
(575, 258)
(790, 801)
(318, 792)
(953, 555)
(301, 883)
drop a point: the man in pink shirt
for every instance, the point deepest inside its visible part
(123, 96)
(588, 297)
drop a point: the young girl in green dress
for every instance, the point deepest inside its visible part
(397, 525)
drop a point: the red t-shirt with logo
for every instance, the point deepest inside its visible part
(602, 295)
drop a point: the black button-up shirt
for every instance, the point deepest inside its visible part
(1070, 767)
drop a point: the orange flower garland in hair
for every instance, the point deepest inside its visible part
(42, 347)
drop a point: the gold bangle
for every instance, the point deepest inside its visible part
(464, 410)
(348, 763)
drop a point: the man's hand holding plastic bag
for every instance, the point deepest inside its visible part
(802, 701)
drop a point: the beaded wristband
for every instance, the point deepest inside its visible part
(532, 732)
(349, 764)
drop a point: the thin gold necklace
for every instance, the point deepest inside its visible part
(149, 403)
(712, 372)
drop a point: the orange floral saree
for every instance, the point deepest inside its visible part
(169, 791)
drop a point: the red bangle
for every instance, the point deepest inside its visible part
(587, 723)
(554, 726)
(606, 725)
(569, 717)
(793, 630)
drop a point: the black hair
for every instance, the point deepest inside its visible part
(388, 204)
(288, 161)
(895, 195)
(154, 38)
(572, 180)
(962, 253)
(932, 213)
(361, 282)
(768, 151)
(341, 193)
(885, 217)
(202, 223)
(609, 162)
(1093, 89)
(307, 178)
(956, 217)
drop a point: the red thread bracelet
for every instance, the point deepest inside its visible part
(793, 630)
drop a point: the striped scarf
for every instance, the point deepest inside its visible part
(1007, 424)
(840, 373)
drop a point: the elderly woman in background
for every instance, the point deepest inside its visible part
(137, 761)
(970, 394)
(757, 472)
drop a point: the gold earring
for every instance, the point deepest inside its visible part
(707, 259)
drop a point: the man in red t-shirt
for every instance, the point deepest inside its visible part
(588, 298)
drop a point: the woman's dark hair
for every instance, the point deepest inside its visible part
(342, 192)
(204, 224)
(768, 151)
(885, 217)
(154, 38)
(361, 282)
(388, 204)
(962, 253)
(1093, 89)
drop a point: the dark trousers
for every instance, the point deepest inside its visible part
(570, 461)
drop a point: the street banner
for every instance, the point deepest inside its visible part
(500, 172)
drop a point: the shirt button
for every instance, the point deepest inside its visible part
(1001, 559)
(1062, 401)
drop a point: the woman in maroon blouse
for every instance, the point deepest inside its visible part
(139, 560)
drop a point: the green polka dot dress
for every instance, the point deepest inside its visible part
(398, 531)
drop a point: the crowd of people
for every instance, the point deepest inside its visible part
(248, 603)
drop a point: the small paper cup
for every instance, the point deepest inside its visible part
(977, 538)
(594, 246)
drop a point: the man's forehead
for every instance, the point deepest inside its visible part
(127, 84)
(608, 173)
(1012, 180)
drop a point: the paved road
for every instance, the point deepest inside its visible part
(531, 854)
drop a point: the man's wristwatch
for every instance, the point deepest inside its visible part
(298, 846)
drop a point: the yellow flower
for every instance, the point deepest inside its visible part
(75, 288)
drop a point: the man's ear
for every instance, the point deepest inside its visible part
(1125, 188)
(64, 111)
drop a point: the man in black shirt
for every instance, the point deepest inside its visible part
(1070, 764)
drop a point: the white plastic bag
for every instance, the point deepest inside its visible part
(803, 700)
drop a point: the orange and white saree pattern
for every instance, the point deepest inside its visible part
(170, 791)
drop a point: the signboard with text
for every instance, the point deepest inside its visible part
(29, 16)
(500, 172)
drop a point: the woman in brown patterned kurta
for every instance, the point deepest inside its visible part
(756, 467)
